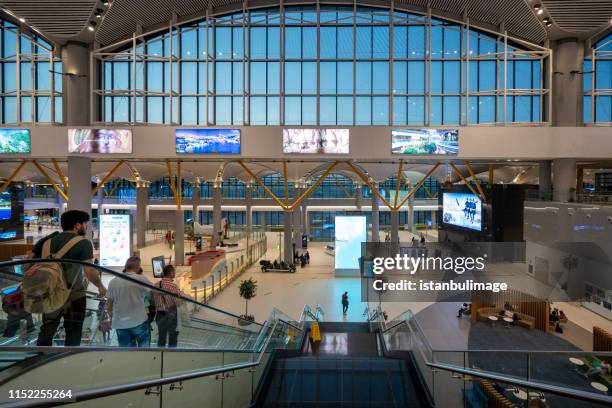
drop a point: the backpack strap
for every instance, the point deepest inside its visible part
(67, 247)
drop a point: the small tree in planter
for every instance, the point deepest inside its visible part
(248, 290)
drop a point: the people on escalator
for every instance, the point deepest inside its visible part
(126, 306)
(166, 307)
(275, 265)
(70, 244)
(307, 255)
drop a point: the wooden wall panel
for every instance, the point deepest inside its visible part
(515, 300)
(8, 251)
(602, 340)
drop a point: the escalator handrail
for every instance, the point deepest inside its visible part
(553, 389)
(119, 275)
(109, 390)
(105, 391)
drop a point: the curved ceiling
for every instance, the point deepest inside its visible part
(66, 20)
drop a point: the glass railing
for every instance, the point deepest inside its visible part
(535, 371)
(182, 338)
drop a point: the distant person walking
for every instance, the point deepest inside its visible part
(345, 303)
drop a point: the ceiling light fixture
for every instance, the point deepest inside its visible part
(91, 26)
(106, 3)
(547, 21)
(98, 13)
(538, 8)
(23, 20)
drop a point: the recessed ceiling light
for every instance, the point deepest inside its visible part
(98, 13)
(23, 20)
(91, 26)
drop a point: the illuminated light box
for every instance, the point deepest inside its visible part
(462, 210)
(316, 141)
(425, 141)
(207, 141)
(115, 239)
(15, 141)
(111, 141)
(351, 231)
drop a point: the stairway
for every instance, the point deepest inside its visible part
(343, 370)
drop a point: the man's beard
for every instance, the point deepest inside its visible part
(82, 231)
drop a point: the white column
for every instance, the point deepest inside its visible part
(567, 86)
(195, 201)
(358, 196)
(564, 180)
(179, 237)
(142, 203)
(216, 214)
(394, 226)
(375, 219)
(248, 199)
(100, 201)
(410, 216)
(79, 176)
(75, 84)
(288, 237)
(545, 178)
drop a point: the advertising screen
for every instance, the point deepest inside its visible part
(115, 239)
(351, 231)
(113, 141)
(462, 210)
(14, 141)
(5, 206)
(8, 235)
(316, 141)
(425, 141)
(158, 264)
(208, 141)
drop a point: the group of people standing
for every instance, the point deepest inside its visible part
(129, 305)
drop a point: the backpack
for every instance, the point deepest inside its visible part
(12, 303)
(44, 286)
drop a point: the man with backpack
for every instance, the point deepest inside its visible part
(70, 244)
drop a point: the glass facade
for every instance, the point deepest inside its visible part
(31, 86)
(332, 65)
(598, 83)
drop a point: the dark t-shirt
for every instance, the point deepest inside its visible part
(73, 273)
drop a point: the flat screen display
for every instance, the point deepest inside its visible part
(462, 210)
(316, 141)
(115, 239)
(112, 141)
(158, 264)
(351, 231)
(8, 235)
(208, 141)
(425, 141)
(14, 141)
(5, 206)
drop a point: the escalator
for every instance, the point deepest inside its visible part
(345, 369)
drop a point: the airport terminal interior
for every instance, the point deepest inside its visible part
(259, 203)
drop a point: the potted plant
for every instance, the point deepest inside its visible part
(248, 290)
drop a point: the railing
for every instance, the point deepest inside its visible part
(583, 198)
(222, 345)
(530, 370)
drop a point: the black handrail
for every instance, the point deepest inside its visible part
(116, 274)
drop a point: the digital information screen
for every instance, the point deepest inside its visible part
(425, 141)
(5, 206)
(207, 141)
(462, 210)
(15, 141)
(110, 141)
(351, 231)
(316, 141)
(115, 239)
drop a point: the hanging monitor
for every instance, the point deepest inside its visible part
(15, 141)
(316, 141)
(207, 141)
(111, 141)
(425, 141)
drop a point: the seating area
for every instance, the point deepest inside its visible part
(519, 319)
